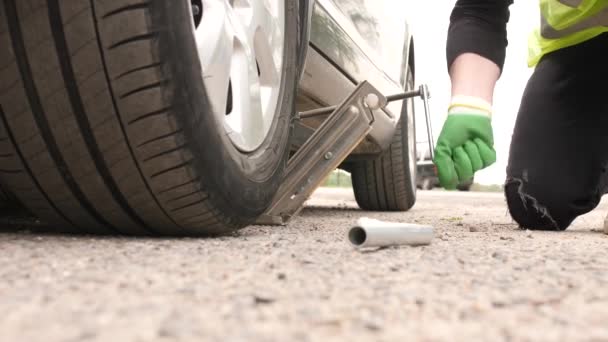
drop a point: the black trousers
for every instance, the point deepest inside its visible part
(558, 158)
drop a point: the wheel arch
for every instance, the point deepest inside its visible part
(411, 57)
(305, 10)
(408, 57)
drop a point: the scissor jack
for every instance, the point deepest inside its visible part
(345, 127)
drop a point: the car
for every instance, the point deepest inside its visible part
(179, 117)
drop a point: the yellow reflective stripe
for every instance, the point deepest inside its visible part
(539, 46)
(571, 3)
(598, 19)
(560, 15)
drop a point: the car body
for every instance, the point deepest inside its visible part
(350, 41)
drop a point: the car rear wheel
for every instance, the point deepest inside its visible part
(427, 184)
(146, 117)
(388, 183)
(466, 185)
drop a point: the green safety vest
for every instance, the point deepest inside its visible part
(566, 23)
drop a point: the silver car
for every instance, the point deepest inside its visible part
(178, 117)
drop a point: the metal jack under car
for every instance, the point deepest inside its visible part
(347, 125)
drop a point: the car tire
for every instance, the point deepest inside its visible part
(7, 199)
(427, 184)
(465, 186)
(107, 127)
(388, 183)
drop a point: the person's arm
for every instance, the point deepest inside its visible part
(482, 84)
(476, 45)
(475, 51)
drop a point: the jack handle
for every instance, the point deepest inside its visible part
(423, 92)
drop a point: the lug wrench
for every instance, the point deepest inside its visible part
(423, 92)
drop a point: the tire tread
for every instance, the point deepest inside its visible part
(73, 166)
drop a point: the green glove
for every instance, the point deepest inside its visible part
(465, 145)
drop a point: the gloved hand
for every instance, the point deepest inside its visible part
(466, 142)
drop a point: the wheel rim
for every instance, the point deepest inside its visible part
(240, 45)
(411, 134)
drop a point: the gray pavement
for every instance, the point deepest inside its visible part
(480, 279)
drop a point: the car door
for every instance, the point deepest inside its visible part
(366, 39)
(380, 30)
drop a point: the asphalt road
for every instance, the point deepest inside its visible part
(480, 279)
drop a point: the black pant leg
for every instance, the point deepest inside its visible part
(559, 149)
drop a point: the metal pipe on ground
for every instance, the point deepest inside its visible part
(375, 233)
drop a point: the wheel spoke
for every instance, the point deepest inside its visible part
(269, 47)
(246, 118)
(242, 55)
(215, 39)
(264, 29)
